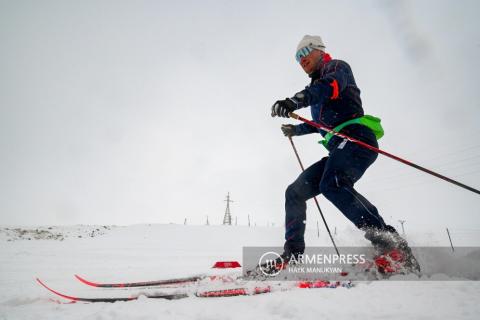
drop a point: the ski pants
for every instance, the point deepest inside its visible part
(334, 177)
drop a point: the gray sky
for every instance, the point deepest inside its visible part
(120, 112)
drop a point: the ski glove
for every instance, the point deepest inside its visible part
(282, 108)
(288, 130)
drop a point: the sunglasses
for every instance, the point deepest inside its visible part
(302, 53)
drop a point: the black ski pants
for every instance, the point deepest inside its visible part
(334, 177)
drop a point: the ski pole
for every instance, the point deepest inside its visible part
(363, 144)
(314, 198)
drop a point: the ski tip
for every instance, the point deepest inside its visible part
(56, 292)
(42, 283)
(85, 281)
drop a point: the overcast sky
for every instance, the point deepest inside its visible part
(121, 112)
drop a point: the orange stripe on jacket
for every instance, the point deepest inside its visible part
(336, 91)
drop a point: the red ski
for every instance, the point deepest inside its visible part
(234, 292)
(168, 296)
(231, 292)
(177, 281)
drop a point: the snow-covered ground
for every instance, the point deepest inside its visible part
(151, 252)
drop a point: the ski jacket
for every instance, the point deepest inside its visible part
(334, 98)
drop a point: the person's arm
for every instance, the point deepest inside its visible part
(290, 130)
(329, 87)
(304, 128)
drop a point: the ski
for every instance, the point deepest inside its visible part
(166, 282)
(218, 293)
(168, 296)
(233, 292)
(175, 281)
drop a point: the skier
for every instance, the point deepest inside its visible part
(334, 101)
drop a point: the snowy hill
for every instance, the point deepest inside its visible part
(152, 252)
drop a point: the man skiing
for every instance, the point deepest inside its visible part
(334, 101)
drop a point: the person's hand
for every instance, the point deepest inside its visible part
(288, 130)
(282, 108)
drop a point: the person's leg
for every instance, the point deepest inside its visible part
(306, 186)
(345, 166)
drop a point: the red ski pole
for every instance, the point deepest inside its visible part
(363, 144)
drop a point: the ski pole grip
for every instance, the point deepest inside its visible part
(293, 115)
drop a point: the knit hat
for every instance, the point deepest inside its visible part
(314, 42)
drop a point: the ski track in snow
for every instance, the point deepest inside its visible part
(150, 252)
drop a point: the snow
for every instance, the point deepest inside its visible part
(152, 252)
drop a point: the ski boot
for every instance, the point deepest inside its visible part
(272, 268)
(393, 255)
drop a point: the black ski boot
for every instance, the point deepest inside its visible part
(285, 259)
(272, 268)
(389, 245)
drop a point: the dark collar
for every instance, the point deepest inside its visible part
(318, 72)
